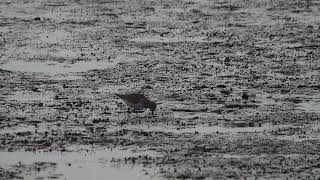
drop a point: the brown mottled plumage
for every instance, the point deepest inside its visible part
(137, 101)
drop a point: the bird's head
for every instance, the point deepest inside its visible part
(152, 106)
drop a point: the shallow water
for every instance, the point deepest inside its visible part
(28, 96)
(94, 165)
(194, 58)
(53, 68)
(207, 129)
(313, 106)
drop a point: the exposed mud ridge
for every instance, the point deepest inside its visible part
(236, 82)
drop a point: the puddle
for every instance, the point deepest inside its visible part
(208, 129)
(66, 77)
(168, 39)
(94, 165)
(54, 37)
(308, 132)
(310, 106)
(27, 96)
(40, 128)
(16, 129)
(55, 68)
(298, 138)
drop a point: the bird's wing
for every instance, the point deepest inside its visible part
(136, 98)
(133, 98)
(142, 97)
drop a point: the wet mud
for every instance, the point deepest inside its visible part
(236, 83)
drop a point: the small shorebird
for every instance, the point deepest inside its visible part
(137, 101)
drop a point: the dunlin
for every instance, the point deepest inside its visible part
(137, 101)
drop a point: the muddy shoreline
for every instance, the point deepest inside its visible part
(61, 63)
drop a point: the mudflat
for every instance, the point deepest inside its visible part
(236, 84)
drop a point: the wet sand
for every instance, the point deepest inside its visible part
(62, 62)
